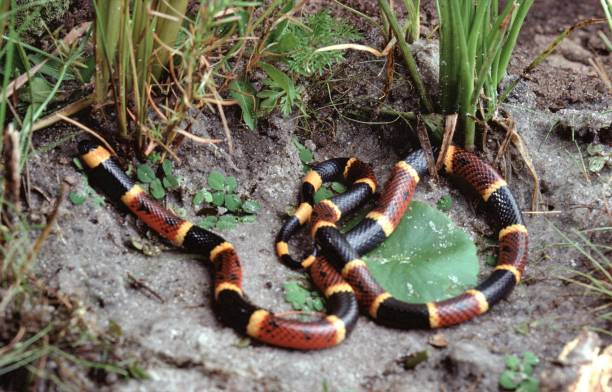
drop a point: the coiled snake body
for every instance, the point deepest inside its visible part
(335, 267)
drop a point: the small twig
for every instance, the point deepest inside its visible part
(197, 138)
(68, 110)
(16, 339)
(139, 284)
(12, 175)
(88, 130)
(449, 131)
(601, 71)
(33, 252)
(426, 146)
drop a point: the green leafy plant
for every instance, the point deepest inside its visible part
(445, 203)
(292, 45)
(598, 157)
(221, 193)
(427, 258)
(518, 375)
(297, 43)
(301, 298)
(476, 42)
(158, 186)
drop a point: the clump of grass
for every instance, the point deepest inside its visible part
(44, 335)
(476, 42)
(597, 278)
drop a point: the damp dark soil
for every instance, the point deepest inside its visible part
(180, 342)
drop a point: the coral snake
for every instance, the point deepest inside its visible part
(335, 266)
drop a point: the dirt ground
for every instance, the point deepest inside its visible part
(182, 345)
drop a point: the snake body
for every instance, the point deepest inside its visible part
(335, 268)
(343, 252)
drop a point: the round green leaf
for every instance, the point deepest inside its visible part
(198, 198)
(510, 379)
(530, 358)
(338, 187)
(322, 194)
(427, 258)
(145, 173)
(208, 223)
(226, 222)
(530, 384)
(248, 219)
(77, 198)
(512, 362)
(167, 167)
(232, 202)
(230, 184)
(596, 163)
(216, 180)
(251, 207)
(218, 198)
(170, 182)
(157, 190)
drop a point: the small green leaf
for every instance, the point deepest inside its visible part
(79, 165)
(295, 295)
(530, 384)
(597, 163)
(157, 190)
(145, 173)
(491, 260)
(445, 203)
(530, 358)
(306, 156)
(232, 202)
(216, 180)
(427, 258)
(77, 198)
(136, 371)
(595, 149)
(322, 194)
(198, 198)
(251, 207)
(170, 182)
(218, 198)
(154, 157)
(412, 360)
(510, 379)
(230, 184)
(280, 79)
(245, 94)
(248, 219)
(512, 362)
(167, 167)
(338, 187)
(208, 222)
(226, 222)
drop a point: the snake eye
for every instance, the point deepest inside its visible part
(87, 145)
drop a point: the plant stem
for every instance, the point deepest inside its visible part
(408, 58)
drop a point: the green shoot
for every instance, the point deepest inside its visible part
(519, 373)
(476, 42)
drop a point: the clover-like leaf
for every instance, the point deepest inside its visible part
(226, 222)
(167, 167)
(218, 198)
(510, 379)
(322, 194)
(427, 258)
(232, 202)
(251, 207)
(157, 189)
(208, 222)
(170, 182)
(216, 180)
(230, 184)
(77, 198)
(145, 173)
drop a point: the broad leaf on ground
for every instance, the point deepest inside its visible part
(427, 258)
